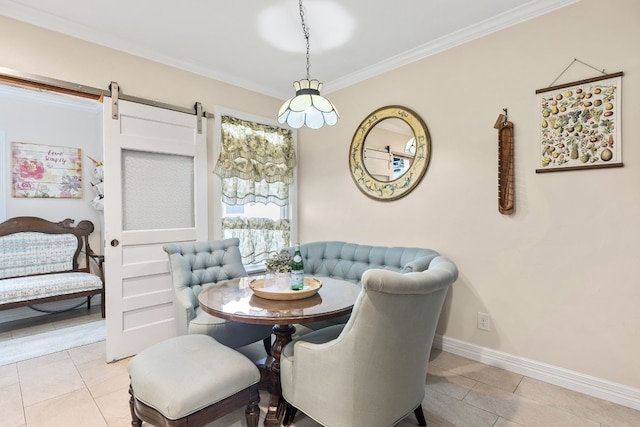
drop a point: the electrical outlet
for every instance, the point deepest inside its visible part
(483, 321)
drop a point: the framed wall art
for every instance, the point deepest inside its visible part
(46, 171)
(580, 124)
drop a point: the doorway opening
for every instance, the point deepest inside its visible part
(42, 115)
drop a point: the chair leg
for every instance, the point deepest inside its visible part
(135, 421)
(420, 416)
(252, 412)
(289, 414)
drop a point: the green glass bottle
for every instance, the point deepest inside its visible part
(297, 270)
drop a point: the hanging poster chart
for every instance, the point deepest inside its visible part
(46, 171)
(580, 124)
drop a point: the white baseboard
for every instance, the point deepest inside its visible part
(576, 381)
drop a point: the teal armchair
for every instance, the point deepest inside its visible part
(195, 266)
(372, 370)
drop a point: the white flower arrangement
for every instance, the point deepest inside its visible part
(97, 183)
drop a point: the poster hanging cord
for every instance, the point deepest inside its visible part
(569, 66)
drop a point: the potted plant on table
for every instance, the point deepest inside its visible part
(279, 268)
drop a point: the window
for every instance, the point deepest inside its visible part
(256, 193)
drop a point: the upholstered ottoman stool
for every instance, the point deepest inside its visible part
(191, 380)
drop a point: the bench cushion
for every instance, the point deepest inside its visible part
(46, 285)
(185, 374)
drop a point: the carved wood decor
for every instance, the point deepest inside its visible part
(506, 188)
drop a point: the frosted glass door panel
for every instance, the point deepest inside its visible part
(157, 191)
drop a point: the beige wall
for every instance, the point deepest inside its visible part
(559, 277)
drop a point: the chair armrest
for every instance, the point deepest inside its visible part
(99, 260)
(185, 309)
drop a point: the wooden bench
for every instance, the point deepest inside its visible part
(43, 261)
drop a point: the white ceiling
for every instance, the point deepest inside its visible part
(259, 44)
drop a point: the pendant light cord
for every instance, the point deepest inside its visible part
(305, 31)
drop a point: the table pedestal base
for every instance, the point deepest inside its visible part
(277, 404)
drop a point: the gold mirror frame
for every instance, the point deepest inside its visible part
(403, 185)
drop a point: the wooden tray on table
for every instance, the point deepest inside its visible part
(273, 292)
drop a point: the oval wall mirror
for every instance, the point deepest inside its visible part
(389, 153)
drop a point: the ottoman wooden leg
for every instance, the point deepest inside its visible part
(253, 411)
(135, 421)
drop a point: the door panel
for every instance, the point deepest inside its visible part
(153, 190)
(155, 193)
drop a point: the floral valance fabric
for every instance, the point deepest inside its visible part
(260, 238)
(253, 158)
(238, 191)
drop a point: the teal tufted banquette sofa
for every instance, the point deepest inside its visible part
(349, 261)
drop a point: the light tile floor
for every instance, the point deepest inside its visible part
(77, 387)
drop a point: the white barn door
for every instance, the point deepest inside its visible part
(155, 193)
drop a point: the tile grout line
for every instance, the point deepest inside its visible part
(86, 386)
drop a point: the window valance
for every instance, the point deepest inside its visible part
(256, 152)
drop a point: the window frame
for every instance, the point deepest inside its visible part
(4, 190)
(217, 209)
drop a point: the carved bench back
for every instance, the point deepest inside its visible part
(30, 246)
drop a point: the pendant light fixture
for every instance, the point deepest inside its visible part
(308, 107)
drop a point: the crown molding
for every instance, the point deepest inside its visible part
(513, 17)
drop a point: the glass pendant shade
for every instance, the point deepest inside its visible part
(308, 107)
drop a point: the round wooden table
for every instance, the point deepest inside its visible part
(234, 300)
